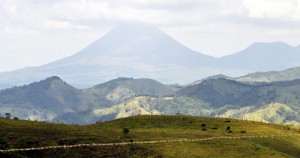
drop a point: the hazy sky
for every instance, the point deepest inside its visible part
(35, 32)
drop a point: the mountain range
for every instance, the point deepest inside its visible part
(53, 99)
(140, 50)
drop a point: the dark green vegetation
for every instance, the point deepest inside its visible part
(20, 134)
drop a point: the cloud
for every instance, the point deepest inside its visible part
(283, 10)
(215, 27)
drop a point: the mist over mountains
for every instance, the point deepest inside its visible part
(140, 50)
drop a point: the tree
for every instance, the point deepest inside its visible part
(7, 115)
(125, 131)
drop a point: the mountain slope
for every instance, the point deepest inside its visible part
(264, 57)
(140, 50)
(120, 89)
(152, 136)
(45, 99)
(220, 92)
(52, 97)
(130, 50)
(272, 76)
(232, 98)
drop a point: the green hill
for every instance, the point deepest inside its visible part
(121, 89)
(46, 99)
(272, 76)
(144, 105)
(54, 99)
(260, 139)
(235, 99)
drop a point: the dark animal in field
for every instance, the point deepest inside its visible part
(227, 121)
(204, 129)
(203, 125)
(243, 131)
(228, 129)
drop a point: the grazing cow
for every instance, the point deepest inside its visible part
(243, 131)
(203, 125)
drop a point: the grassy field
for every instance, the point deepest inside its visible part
(24, 134)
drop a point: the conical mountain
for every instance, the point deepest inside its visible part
(132, 49)
(134, 42)
(140, 50)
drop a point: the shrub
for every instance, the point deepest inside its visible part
(27, 142)
(3, 143)
(125, 131)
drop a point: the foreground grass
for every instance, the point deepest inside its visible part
(24, 134)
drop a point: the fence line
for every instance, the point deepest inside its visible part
(145, 142)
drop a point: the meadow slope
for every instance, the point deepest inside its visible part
(277, 140)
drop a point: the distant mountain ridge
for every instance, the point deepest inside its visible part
(273, 102)
(272, 76)
(53, 99)
(140, 50)
(121, 89)
(264, 57)
(46, 99)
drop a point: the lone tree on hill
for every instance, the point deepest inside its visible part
(125, 131)
(7, 115)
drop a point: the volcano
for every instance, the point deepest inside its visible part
(140, 50)
(132, 49)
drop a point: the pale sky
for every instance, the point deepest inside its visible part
(36, 32)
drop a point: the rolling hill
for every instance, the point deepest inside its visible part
(52, 97)
(121, 89)
(45, 99)
(274, 102)
(151, 136)
(271, 76)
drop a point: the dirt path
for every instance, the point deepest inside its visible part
(147, 142)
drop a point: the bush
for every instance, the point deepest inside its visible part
(125, 131)
(27, 142)
(3, 143)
